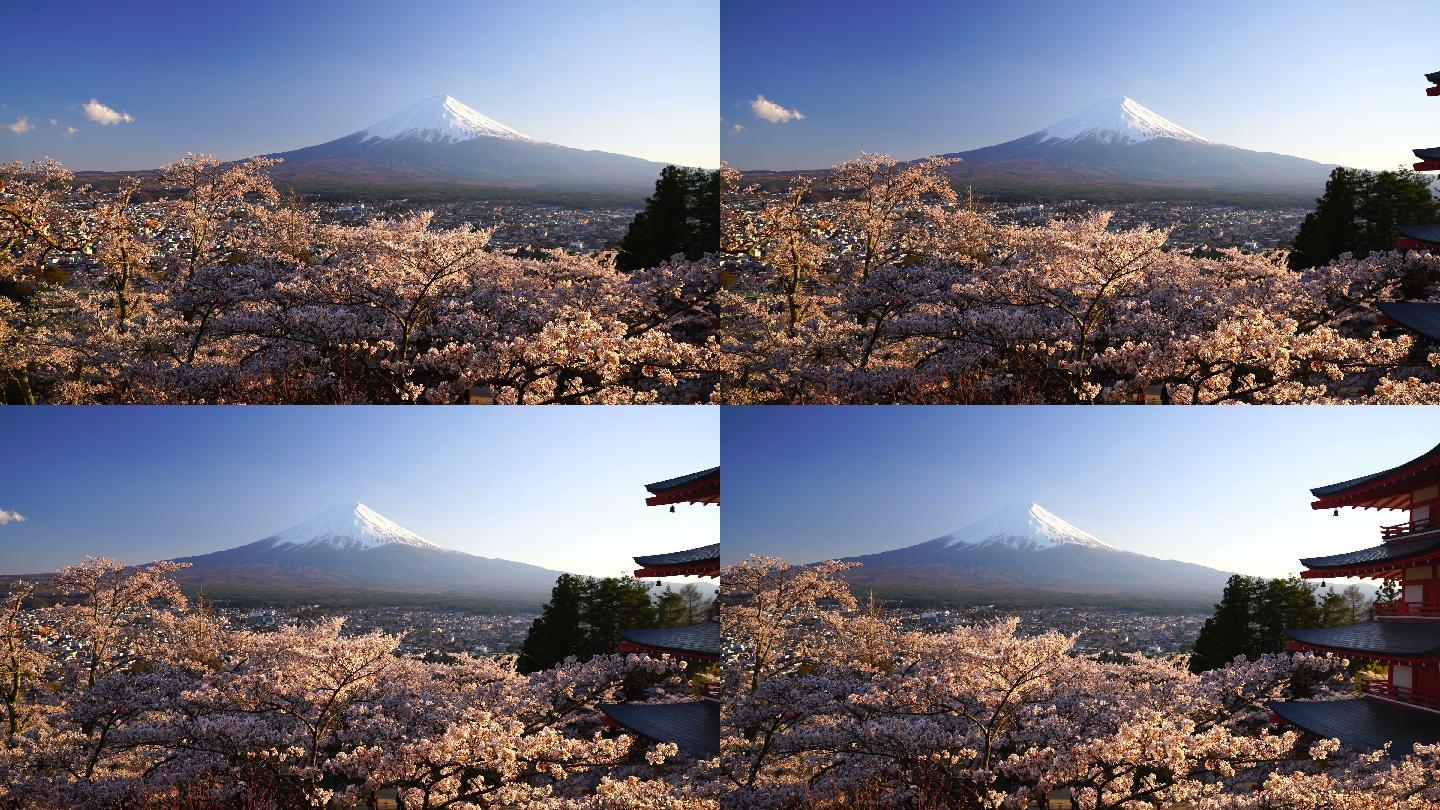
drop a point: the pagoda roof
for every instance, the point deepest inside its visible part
(1384, 557)
(694, 726)
(1364, 724)
(1417, 316)
(696, 487)
(1420, 233)
(1433, 78)
(1431, 153)
(1379, 490)
(702, 639)
(694, 555)
(1376, 639)
(702, 561)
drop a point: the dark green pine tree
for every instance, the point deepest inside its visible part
(682, 216)
(1359, 213)
(671, 610)
(613, 604)
(1252, 616)
(554, 635)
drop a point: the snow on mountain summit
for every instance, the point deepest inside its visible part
(349, 526)
(440, 119)
(1118, 120)
(1026, 526)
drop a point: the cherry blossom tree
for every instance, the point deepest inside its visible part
(831, 704)
(128, 695)
(887, 288)
(223, 291)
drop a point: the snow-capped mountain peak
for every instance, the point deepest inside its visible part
(1025, 526)
(1118, 120)
(441, 119)
(352, 526)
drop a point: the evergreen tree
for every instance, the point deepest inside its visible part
(554, 635)
(584, 618)
(682, 216)
(671, 610)
(1252, 616)
(1359, 213)
(610, 605)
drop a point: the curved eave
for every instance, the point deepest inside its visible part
(1364, 724)
(673, 652)
(1382, 490)
(1397, 642)
(1384, 559)
(706, 569)
(693, 726)
(696, 487)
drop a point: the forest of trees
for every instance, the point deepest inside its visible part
(1359, 212)
(681, 217)
(585, 614)
(1253, 612)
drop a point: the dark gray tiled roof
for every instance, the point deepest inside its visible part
(694, 726)
(1433, 78)
(1415, 315)
(694, 555)
(1400, 638)
(703, 638)
(1364, 724)
(1432, 153)
(1385, 552)
(1331, 489)
(671, 483)
(1424, 233)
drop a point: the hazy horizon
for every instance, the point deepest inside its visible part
(932, 78)
(236, 81)
(562, 488)
(1227, 488)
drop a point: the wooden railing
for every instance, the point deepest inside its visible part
(1402, 609)
(1399, 530)
(1403, 694)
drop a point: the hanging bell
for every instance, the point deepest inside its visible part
(672, 508)
(1335, 513)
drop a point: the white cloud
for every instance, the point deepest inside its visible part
(767, 110)
(21, 126)
(104, 116)
(54, 123)
(736, 129)
(69, 133)
(10, 517)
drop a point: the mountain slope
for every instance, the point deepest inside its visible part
(349, 551)
(1024, 554)
(1118, 144)
(439, 141)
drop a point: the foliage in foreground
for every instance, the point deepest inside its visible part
(830, 705)
(224, 292)
(128, 696)
(899, 292)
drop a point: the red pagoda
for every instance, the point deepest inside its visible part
(694, 725)
(1419, 317)
(1404, 709)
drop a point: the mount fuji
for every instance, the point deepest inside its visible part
(1025, 554)
(439, 142)
(1118, 147)
(351, 553)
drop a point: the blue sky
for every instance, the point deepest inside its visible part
(639, 77)
(1226, 487)
(1331, 80)
(560, 487)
